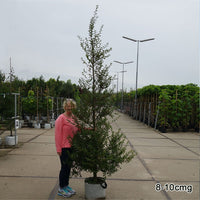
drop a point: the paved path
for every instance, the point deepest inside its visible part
(169, 159)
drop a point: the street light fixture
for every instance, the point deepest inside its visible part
(122, 63)
(138, 41)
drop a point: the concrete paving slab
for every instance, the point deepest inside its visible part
(152, 142)
(189, 142)
(45, 139)
(133, 170)
(26, 134)
(120, 190)
(35, 164)
(24, 137)
(131, 124)
(21, 137)
(25, 188)
(36, 149)
(182, 135)
(30, 131)
(165, 152)
(195, 149)
(50, 132)
(125, 129)
(131, 129)
(28, 165)
(182, 190)
(143, 135)
(174, 170)
(132, 190)
(4, 151)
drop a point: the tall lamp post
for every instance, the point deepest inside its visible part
(138, 41)
(122, 63)
(117, 79)
(117, 86)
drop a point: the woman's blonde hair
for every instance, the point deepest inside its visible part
(72, 102)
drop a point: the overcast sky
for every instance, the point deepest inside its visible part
(41, 38)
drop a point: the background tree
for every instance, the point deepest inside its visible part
(2, 77)
(29, 104)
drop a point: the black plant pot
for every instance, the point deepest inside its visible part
(30, 124)
(162, 129)
(176, 129)
(197, 130)
(185, 129)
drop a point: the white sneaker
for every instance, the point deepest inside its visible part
(63, 192)
(70, 190)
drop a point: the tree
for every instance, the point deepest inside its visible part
(67, 89)
(2, 77)
(29, 104)
(97, 148)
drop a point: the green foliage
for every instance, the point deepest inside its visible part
(164, 108)
(57, 88)
(196, 109)
(7, 112)
(2, 77)
(7, 106)
(29, 103)
(148, 90)
(178, 105)
(97, 148)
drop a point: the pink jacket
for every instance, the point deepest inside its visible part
(65, 129)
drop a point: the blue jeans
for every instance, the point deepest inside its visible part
(65, 167)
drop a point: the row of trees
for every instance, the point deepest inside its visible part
(36, 96)
(54, 87)
(176, 106)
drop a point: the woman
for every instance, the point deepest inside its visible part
(65, 129)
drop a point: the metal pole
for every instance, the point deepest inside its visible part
(52, 116)
(117, 88)
(157, 114)
(149, 116)
(138, 41)
(15, 118)
(135, 110)
(117, 81)
(37, 108)
(123, 63)
(122, 88)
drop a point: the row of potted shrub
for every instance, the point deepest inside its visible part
(178, 106)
